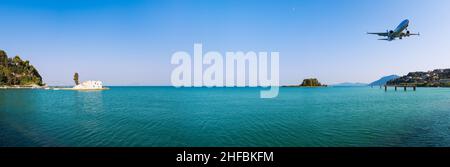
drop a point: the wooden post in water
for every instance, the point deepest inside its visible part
(395, 88)
(404, 88)
(414, 88)
(385, 88)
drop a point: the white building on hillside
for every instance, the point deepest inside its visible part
(89, 85)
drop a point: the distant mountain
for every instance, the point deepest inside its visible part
(384, 80)
(349, 84)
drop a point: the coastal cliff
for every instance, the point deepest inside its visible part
(16, 72)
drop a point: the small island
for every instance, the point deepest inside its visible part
(86, 85)
(310, 82)
(17, 73)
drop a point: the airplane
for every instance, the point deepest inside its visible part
(397, 33)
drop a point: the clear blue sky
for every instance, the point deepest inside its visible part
(131, 42)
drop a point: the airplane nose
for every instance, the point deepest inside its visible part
(407, 21)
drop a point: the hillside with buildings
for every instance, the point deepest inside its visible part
(435, 78)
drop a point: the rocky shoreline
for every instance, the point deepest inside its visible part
(22, 87)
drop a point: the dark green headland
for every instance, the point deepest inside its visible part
(16, 72)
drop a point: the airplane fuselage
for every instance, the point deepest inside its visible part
(400, 28)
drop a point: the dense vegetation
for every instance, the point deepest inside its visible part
(311, 82)
(15, 71)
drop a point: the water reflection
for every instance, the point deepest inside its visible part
(89, 120)
(89, 101)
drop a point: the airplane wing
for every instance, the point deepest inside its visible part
(384, 34)
(410, 34)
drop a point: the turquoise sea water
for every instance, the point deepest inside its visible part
(167, 116)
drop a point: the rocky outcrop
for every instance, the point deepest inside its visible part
(311, 82)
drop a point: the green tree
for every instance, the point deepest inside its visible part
(3, 58)
(17, 60)
(75, 78)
